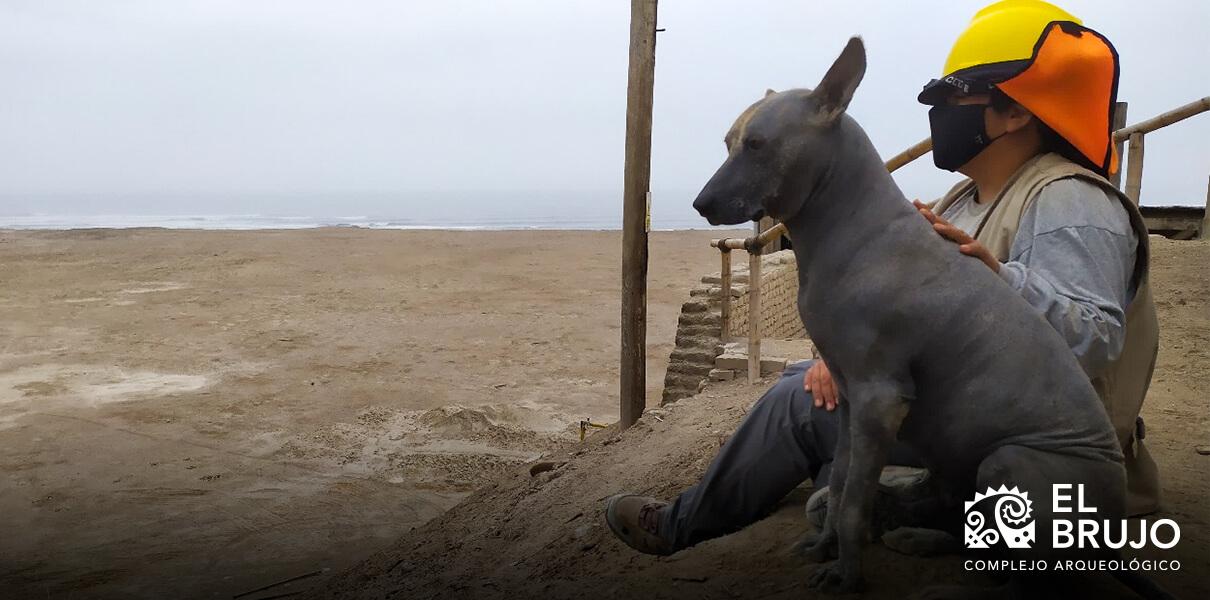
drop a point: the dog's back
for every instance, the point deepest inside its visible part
(988, 370)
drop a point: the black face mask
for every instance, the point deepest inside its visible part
(959, 134)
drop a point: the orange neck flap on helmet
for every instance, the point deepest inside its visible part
(1071, 84)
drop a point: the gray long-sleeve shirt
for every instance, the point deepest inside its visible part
(1072, 260)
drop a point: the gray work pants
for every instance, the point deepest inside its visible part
(783, 441)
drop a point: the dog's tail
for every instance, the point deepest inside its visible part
(1142, 585)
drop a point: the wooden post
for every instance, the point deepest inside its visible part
(754, 317)
(725, 284)
(1134, 168)
(1205, 233)
(1119, 121)
(774, 244)
(640, 91)
(754, 312)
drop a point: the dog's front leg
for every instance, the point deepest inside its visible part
(822, 545)
(875, 413)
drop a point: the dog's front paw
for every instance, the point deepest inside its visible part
(817, 547)
(836, 578)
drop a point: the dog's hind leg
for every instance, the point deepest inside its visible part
(871, 423)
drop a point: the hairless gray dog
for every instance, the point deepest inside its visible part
(923, 342)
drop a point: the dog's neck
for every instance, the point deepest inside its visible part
(855, 189)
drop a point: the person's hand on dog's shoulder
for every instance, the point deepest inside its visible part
(966, 244)
(818, 381)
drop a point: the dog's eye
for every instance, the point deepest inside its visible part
(753, 143)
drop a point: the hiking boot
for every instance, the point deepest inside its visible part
(817, 508)
(636, 520)
(900, 500)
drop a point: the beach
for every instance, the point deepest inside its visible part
(544, 536)
(196, 413)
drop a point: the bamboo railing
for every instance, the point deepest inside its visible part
(1135, 133)
(1134, 185)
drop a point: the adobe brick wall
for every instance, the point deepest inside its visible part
(698, 334)
(778, 300)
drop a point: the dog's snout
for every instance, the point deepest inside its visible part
(724, 199)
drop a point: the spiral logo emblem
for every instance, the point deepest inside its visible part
(1013, 512)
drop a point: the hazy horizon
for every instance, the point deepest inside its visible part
(472, 108)
(545, 209)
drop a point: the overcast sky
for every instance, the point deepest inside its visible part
(212, 99)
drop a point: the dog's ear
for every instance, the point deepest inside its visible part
(770, 92)
(833, 93)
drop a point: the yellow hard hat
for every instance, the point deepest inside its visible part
(998, 44)
(1043, 58)
(1003, 32)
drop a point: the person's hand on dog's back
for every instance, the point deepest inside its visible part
(818, 381)
(966, 244)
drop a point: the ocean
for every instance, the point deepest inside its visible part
(253, 222)
(458, 211)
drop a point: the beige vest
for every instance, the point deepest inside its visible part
(1123, 384)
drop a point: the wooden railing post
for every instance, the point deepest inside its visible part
(1119, 121)
(725, 285)
(774, 244)
(754, 315)
(1134, 168)
(1205, 233)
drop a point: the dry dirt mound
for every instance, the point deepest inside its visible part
(450, 447)
(543, 536)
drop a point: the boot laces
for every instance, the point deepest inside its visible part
(649, 517)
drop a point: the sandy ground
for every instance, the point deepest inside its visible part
(543, 536)
(198, 414)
